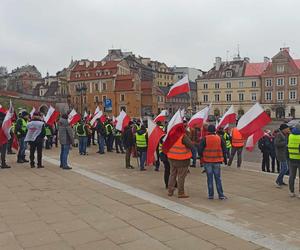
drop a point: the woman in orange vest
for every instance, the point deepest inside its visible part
(213, 154)
(237, 142)
(179, 156)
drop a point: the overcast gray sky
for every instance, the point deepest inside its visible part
(48, 33)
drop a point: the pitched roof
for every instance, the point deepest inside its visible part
(297, 62)
(255, 69)
(52, 89)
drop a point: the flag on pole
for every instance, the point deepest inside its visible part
(162, 116)
(182, 86)
(256, 118)
(6, 125)
(227, 118)
(154, 135)
(122, 120)
(73, 117)
(253, 139)
(32, 112)
(200, 117)
(97, 115)
(51, 116)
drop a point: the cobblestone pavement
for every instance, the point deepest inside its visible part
(55, 209)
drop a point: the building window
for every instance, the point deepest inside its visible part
(228, 85)
(268, 96)
(241, 84)
(217, 85)
(293, 95)
(217, 97)
(228, 97)
(280, 95)
(205, 98)
(268, 82)
(253, 96)
(241, 96)
(77, 75)
(104, 87)
(123, 108)
(205, 86)
(228, 73)
(84, 99)
(280, 69)
(122, 97)
(96, 87)
(253, 84)
(293, 80)
(280, 81)
(96, 99)
(87, 74)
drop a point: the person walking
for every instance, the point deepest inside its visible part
(141, 140)
(35, 137)
(179, 156)
(21, 130)
(294, 156)
(264, 144)
(213, 153)
(237, 143)
(281, 151)
(66, 139)
(109, 136)
(101, 133)
(82, 133)
(128, 141)
(3, 144)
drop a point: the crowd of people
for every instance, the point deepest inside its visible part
(206, 144)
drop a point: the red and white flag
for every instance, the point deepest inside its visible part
(73, 117)
(162, 116)
(182, 86)
(2, 109)
(97, 110)
(253, 139)
(51, 116)
(97, 115)
(200, 117)
(154, 135)
(6, 125)
(256, 118)
(32, 112)
(122, 120)
(175, 129)
(228, 118)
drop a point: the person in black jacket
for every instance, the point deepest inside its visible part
(128, 140)
(101, 133)
(265, 146)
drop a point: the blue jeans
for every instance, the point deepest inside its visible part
(101, 143)
(194, 155)
(22, 148)
(213, 170)
(64, 153)
(82, 144)
(283, 171)
(143, 156)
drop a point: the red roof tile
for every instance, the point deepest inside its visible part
(255, 69)
(297, 62)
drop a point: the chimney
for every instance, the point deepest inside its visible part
(266, 59)
(287, 49)
(218, 62)
(247, 59)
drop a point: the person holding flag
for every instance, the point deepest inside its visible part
(21, 131)
(3, 142)
(141, 139)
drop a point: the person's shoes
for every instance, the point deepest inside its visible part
(284, 184)
(132, 167)
(203, 171)
(268, 170)
(128, 167)
(183, 196)
(273, 171)
(170, 193)
(223, 198)
(156, 169)
(278, 185)
(118, 152)
(5, 166)
(81, 153)
(210, 197)
(67, 168)
(192, 166)
(122, 152)
(98, 152)
(143, 169)
(20, 161)
(263, 170)
(292, 195)
(32, 165)
(24, 160)
(40, 166)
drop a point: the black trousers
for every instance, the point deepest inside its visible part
(3, 154)
(265, 165)
(274, 160)
(118, 144)
(36, 146)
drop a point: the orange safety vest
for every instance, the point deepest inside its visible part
(237, 139)
(179, 151)
(213, 149)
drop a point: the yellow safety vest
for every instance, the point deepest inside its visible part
(293, 147)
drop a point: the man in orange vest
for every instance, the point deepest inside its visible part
(237, 143)
(213, 154)
(179, 156)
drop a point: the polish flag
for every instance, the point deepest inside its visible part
(227, 118)
(154, 135)
(256, 118)
(200, 117)
(2, 109)
(73, 117)
(253, 139)
(97, 110)
(162, 116)
(174, 130)
(122, 120)
(182, 86)
(51, 116)
(32, 112)
(85, 115)
(6, 125)
(97, 115)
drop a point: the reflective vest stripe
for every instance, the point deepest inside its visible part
(179, 151)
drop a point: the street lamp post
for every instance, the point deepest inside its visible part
(81, 90)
